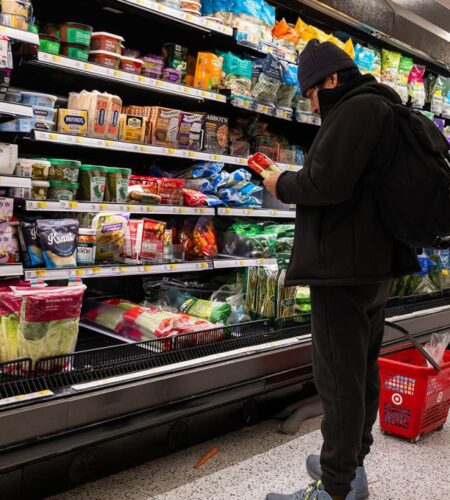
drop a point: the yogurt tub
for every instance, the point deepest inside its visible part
(39, 190)
(42, 113)
(131, 65)
(92, 183)
(101, 40)
(36, 99)
(76, 33)
(62, 191)
(64, 170)
(75, 51)
(32, 167)
(105, 58)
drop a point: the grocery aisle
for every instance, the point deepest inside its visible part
(256, 460)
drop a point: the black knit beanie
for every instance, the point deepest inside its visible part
(319, 60)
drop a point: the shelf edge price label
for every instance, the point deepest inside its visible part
(103, 206)
(42, 204)
(261, 261)
(80, 272)
(79, 140)
(204, 265)
(242, 262)
(149, 208)
(172, 267)
(53, 137)
(73, 204)
(96, 270)
(147, 269)
(142, 79)
(130, 208)
(56, 59)
(122, 269)
(40, 273)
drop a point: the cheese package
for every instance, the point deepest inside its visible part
(132, 128)
(114, 109)
(72, 121)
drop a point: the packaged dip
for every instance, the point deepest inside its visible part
(58, 239)
(76, 33)
(39, 190)
(86, 243)
(101, 40)
(117, 180)
(62, 191)
(36, 169)
(92, 180)
(64, 170)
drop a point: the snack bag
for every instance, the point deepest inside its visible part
(390, 62)
(416, 86)
(208, 71)
(349, 48)
(205, 238)
(110, 236)
(283, 31)
(406, 64)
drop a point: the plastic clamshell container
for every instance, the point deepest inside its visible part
(76, 33)
(64, 170)
(104, 58)
(36, 99)
(39, 190)
(101, 40)
(35, 168)
(92, 180)
(131, 65)
(62, 191)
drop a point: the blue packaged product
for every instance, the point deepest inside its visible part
(206, 169)
(246, 188)
(207, 7)
(289, 73)
(267, 14)
(239, 176)
(251, 8)
(234, 198)
(200, 184)
(30, 240)
(220, 180)
(58, 239)
(364, 59)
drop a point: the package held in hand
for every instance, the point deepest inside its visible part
(263, 165)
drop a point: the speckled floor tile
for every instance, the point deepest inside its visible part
(257, 460)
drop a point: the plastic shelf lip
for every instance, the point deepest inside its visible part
(49, 206)
(236, 262)
(9, 108)
(11, 270)
(128, 78)
(132, 147)
(19, 35)
(12, 181)
(289, 166)
(177, 15)
(26, 397)
(257, 212)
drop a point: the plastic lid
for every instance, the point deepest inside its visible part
(32, 161)
(44, 184)
(93, 168)
(38, 94)
(139, 61)
(63, 184)
(87, 231)
(67, 163)
(105, 53)
(80, 26)
(115, 170)
(111, 35)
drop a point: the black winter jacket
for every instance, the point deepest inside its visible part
(339, 236)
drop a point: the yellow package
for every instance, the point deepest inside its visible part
(72, 121)
(208, 71)
(110, 236)
(283, 31)
(336, 42)
(349, 48)
(132, 128)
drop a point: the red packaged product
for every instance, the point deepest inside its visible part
(133, 239)
(262, 165)
(170, 191)
(152, 239)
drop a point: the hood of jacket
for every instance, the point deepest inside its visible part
(364, 84)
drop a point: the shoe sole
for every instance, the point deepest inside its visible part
(362, 495)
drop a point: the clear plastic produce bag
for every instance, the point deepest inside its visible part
(436, 346)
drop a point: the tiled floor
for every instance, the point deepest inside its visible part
(257, 460)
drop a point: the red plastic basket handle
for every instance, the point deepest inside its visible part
(415, 343)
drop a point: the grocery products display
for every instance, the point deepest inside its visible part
(139, 251)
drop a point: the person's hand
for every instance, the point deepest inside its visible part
(271, 184)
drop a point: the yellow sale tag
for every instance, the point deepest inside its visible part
(172, 266)
(96, 270)
(202, 210)
(73, 204)
(171, 151)
(191, 154)
(250, 210)
(53, 137)
(150, 208)
(40, 273)
(108, 144)
(130, 208)
(79, 140)
(147, 269)
(89, 67)
(261, 261)
(216, 157)
(117, 73)
(80, 272)
(228, 211)
(103, 206)
(144, 148)
(42, 204)
(182, 210)
(242, 262)
(204, 265)
(445, 272)
(122, 269)
(56, 59)
(142, 79)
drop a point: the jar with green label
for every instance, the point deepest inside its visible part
(117, 180)
(92, 181)
(64, 170)
(62, 191)
(76, 33)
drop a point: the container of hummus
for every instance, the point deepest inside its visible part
(101, 40)
(75, 51)
(39, 190)
(92, 180)
(105, 58)
(62, 191)
(131, 65)
(117, 180)
(48, 43)
(76, 33)
(64, 170)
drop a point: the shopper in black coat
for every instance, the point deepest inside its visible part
(344, 253)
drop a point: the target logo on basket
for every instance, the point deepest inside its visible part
(397, 399)
(440, 396)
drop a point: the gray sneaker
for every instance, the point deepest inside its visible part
(359, 484)
(314, 491)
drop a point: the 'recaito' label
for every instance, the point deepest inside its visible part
(58, 241)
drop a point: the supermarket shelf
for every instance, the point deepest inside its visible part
(263, 109)
(11, 270)
(97, 71)
(8, 108)
(308, 118)
(19, 35)
(257, 212)
(177, 15)
(13, 181)
(233, 263)
(131, 147)
(116, 270)
(87, 206)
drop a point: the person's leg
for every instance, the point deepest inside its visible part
(341, 338)
(376, 316)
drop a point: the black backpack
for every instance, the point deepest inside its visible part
(413, 185)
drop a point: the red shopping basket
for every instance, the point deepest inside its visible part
(414, 399)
